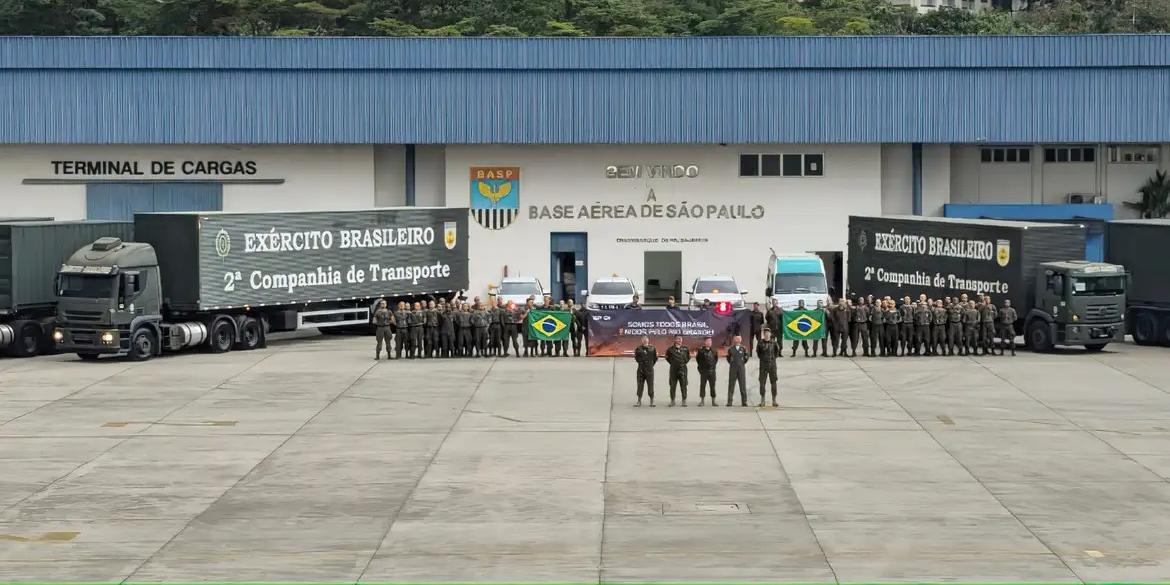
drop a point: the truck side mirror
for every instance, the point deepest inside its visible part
(129, 284)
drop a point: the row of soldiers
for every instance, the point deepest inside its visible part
(706, 357)
(469, 329)
(951, 326)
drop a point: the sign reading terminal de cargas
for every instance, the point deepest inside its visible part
(136, 168)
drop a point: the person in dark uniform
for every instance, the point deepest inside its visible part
(446, 330)
(766, 351)
(512, 316)
(988, 317)
(774, 318)
(823, 342)
(859, 318)
(567, 306)
(1007, 327)
(705, 359)
(906, 309)
(495, 327)
(737, 359)
(876, 328)
(529, 340)
(892, 319)
(402, 331)
(954, 327)
(415, 347)
(637, 302)
(757, 322)
(970, 329)
(479, 324)
(670, 302)
(468, 330)
(838, 329)
(802, 342)
(645, 355)
(922, 319)
(382, 319)
(430, 330)
(938, 329)
(577, 325)
(678, 356)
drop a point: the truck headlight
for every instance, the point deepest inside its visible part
(108, 337)
(58, 335)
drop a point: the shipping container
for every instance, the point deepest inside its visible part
(1141, 245)
(31, 252)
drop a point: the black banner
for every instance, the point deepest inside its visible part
(618, 333)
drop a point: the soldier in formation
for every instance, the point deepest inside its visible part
(383, 319)
(678, 356)
(706, 359)
(645, 356)
(767, 350)
(737, 359)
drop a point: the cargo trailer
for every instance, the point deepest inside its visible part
(31, 253)
(1141, 245)
(225, 280)
(1060, 298)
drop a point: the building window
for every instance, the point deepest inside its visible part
(1074, 154)
(749, 165)
(782, 165)
(1006, 154)
(1133, 153)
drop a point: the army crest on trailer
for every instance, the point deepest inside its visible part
(1003, 252)
(495, 196)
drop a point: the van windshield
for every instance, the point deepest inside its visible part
(521, 289)
(813, 283)
(1098, 285)
(612, 288)
(89, 287)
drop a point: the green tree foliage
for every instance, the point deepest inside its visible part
(566, 18)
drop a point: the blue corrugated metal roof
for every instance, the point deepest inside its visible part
(678, 90)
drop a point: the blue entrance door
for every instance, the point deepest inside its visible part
(120, 201)
(569, 266)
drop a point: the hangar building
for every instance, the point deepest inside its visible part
(658, 159)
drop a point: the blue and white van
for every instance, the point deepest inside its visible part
(796, 277)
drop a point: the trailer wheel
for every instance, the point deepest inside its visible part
(142, 345)
(250, 334)
(222, 336)
(1145, 328)
(88, 357)
(1039, 336)
(1095, 347)
(28, 339)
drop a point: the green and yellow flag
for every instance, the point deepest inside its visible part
(802, 325)
(549, 325)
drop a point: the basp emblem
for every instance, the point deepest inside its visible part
(495, 196)
(449, 235)
(804, 325)
(1003, 252)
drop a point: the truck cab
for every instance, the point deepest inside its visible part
(1077, 303)
(793, 278)
(109, 300)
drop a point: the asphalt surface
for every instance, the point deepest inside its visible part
(309, 461)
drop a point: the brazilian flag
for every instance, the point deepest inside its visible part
(801, 325)
(548, 325)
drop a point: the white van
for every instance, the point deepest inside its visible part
(717, 289)
(517, 289)
(796, 277)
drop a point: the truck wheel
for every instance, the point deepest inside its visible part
(1095, 347)
(1165, 331)
(250, 334)
(28, 339)
(88, 357)
(1039, 336)
(1145, 329)
(222, 336)
(142, 345)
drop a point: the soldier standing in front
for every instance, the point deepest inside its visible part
(859, 319)
(706, 358)
(876, 329)
(678, 356)
(938, 329)
(757, 317)
(1007, 327)
(893, 320)
(645, 356)
(431, 330)
(970, 329)
(382, 321)
(767, 351)
(988, 316)
(954, 327)
(737, 359)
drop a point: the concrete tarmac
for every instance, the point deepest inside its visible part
(309, 461)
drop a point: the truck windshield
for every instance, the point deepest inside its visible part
(1098, 285)
(800, 283)
(612, 288)
(716, 286)
(521, 289)
(92, 287)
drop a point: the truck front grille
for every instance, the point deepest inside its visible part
(1102, 313)
(84, 337)
(83, 316)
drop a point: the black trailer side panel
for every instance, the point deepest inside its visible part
(907, 256)
(229, 260)
(175, 239)
(32, 252)
(1141, 246)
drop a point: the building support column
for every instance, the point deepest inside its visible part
(409, 172)
(916, 178)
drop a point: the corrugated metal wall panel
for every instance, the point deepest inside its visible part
(590, 54)
(612, 106)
